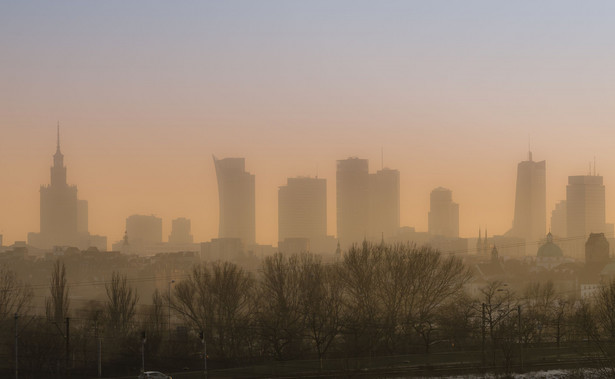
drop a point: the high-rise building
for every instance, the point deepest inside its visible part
(384, 204)
(143, 230)
(352, 195)
(180, 231)
(237, 200)
(302, 209)
(530, 202)
(585, 209)
(443, 213)
(63, 217)
(558, 220)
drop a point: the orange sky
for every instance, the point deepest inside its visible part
(145, 96)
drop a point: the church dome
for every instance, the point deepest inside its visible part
(549, 249)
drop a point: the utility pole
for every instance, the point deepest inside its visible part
(202, 337)
(16, 348)
(171, 282)
(99, 341)
(520, 340)
(483, 332)
(143, 339)
(68, 347)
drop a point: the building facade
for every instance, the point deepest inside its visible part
(236, 193)
(530, 202)
(443, 213)
(352, 196)
(302, 209)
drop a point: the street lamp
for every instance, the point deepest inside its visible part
(171, 282)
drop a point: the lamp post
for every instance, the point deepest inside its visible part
(171, 282)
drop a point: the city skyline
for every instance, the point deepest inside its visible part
(237, 167)
(449, 93)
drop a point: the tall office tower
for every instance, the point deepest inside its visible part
(237, 200)
(59, 208)
(302, 209)
(443, 213)
(180, 231)
(143, 230)
(530, 201)
(585, 211)
(558, 220)
(352, 195)
(383, 204)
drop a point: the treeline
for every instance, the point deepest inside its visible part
(375, 300)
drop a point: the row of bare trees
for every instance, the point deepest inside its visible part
(378, 298)
(375, 300)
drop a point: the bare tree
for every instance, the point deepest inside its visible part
(321, 303)
(14, 295)
(279, 306)
(57, 305)
(121, 303)
(217, 299)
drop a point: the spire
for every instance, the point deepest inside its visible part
(58, 144)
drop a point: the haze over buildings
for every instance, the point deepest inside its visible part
(530, 215)
(450, 92)
(302, 209)
(585, 206)
(63, 217)
(443, 213)
(237, 200)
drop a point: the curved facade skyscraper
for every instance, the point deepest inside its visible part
(237, 200)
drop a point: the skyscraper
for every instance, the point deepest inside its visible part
(443, 214)
(384, 204)
(530, 201)
(558, 220)
(143, 230)
(302, 209)
(64, 218)
(585, 210)
(352, 196)
(180, 231)
(237, 200)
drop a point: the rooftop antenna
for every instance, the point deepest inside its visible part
(58, 144)
(381, 157)
(529, 147)
(594, 165)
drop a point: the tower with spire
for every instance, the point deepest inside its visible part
(63, 219)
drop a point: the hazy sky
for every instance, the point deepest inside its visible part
(147, 91)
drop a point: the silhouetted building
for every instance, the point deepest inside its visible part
(483, 247)
(180, 231)
(352, 195)
(443, 213)
(143, 230)
(530, 201)
(549, 249)
(585, 209)
(225, 249)
(596, 250)
(294, 245)
(384, 204)
(558, 219)
(237, 200)
(63, 217)
(302, 209)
